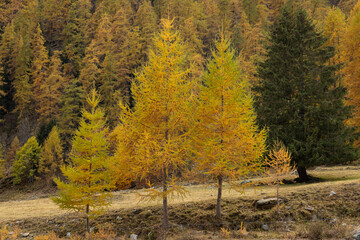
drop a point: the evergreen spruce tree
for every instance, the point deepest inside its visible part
(300, 98)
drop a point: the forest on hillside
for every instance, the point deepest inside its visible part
(53, 53)
(97, 95)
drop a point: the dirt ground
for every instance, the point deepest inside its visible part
(309, 212)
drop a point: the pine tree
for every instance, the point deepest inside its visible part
(51, 156)
(88, 175)
(153, 137)
(71, 103)
(27, 161)
(299, 97)
(229, 144)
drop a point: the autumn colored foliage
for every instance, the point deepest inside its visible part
(229, 144)
(176, 86)
(154, 136)
(88, 175)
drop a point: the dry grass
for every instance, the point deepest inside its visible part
(241, 220)
(44, 207)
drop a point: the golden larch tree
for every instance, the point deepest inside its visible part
(51, 90)
(88, 177)
(23, 96)
(153, 137)
(279, 165)
(39, 65)
(351, 60)
(334, 29)
(228, 142)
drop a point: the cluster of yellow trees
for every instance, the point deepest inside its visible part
(176, 121)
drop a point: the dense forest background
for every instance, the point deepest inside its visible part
(53, 52)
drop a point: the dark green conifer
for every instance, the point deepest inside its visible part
(300, 98)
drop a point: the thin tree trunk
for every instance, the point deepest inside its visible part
(165, 204)
(87, 219)
(218, 204)
(87, 205)
(302, 174)
(277, 199)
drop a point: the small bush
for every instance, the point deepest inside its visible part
(316, 230)
(320, 230)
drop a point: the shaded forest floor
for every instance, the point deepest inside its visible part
(309, 212)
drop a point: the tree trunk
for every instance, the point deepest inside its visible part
(303, 177)
(165, 205)
(277, 199)
(218, 204)
(87, 219)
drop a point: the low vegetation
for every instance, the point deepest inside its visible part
(307, 210)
